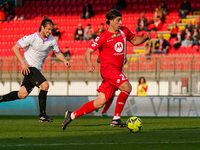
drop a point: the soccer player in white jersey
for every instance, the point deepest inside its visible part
(38, 47)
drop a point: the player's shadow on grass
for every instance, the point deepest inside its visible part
(189, 128)
(90, 125)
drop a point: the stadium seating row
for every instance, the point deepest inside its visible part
(12, 64)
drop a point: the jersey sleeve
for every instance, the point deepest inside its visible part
(25, 41)
(55, 47)
(130, 35)
(96, 43)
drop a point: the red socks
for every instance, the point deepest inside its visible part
(85, 109)
(107, 105)
(89, 106)
(121, 100)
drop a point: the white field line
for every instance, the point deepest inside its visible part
(79, 144)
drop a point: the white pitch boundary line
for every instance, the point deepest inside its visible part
(79, 144)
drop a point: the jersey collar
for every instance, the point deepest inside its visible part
(46, 39)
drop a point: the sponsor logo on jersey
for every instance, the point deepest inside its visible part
(110, 40)
(94, 44)
(115, 35)
(118, 47)
(97, 39)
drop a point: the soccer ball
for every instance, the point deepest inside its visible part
(134, 124)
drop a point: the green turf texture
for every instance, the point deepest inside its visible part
(94, 133)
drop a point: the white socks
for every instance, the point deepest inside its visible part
(72, 116)
(116, 117)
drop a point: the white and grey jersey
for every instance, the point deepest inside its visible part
(37, 49)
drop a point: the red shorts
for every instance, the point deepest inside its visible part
(113, 78)
(107, 89)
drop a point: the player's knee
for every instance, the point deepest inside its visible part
(129, 88)
(22, 95)
(101, 104)
(126, 87)
(45, 86)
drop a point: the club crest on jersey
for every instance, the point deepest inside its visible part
(23, 38)
(115, 35)
(118, 47)
(97, 39)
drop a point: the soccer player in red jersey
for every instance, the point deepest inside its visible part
(112, 52)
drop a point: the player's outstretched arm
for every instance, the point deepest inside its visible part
(61, 57)
(24, 65)
(88, 53)
(139, 40)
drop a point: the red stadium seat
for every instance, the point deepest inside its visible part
(195, 48)
(98, 7)
(198, 5)
(164, 27)
(45, 9)
(61, 2)
(21, 10)
(104, 8)
(32, 10)
(154, 34)
(141, 6)
(44, 3)
(74, 9)
(178, 65)
(133, 65)
(171, 65)
(26, 4)
(50, 9)
(189, 49)
(185, 65)
(193, 4)
(28, 16)
(96, 2)
(147, 6)
(68, 9)
(73, 2)
(103, 2)
(173, 5)
(38, 3)
(55, 3)
(164, 65)
(50, 3)
(32, 4)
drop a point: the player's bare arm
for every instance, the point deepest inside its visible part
(139, 40)
(88, 59)
(61, 57)
(24, 65)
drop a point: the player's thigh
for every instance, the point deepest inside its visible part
(100, 101)
(23, 93)
(37, 79)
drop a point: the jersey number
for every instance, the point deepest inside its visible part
(123, 77)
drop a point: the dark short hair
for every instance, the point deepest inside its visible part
(45, 21)
(102, 24)
(88, 24)
(112, 14)
(143, 79)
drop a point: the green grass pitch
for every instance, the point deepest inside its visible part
(94, 133)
